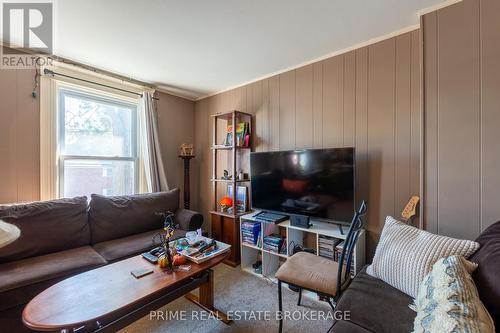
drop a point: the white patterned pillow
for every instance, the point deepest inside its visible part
(448, 300)
(405, 254)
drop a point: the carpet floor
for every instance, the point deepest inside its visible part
(251, 301)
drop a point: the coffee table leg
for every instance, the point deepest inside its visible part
(206, 299)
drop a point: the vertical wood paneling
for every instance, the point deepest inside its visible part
(459, 102)
(8, 136)
(249, 103)
(303, 107)
(264, 111)
(274, 113)
(287, 110)
(349, 126)
(257, 111)
(415, 120)
(318, 105)
(27, 146)
(403, 120)
(431, 184)
(240, 99)
(490, 106)
(333, 102)
(368, 98)
(362, 180)
(381, 139)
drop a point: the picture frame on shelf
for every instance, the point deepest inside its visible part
(241, 197)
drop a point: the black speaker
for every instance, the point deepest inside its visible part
(301, 221)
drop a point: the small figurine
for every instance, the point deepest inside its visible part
(226, 175)
(187, 149)
(225, 203)
(165, 260)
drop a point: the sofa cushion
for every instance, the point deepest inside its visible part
(344, 326)
(188, 220)
(405, 254)
(376, 306)
(121, 248)
(121, 216)
(487, 274)
(448, 300)
(28, 271)
(46, 227)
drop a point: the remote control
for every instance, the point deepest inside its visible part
(149, 257)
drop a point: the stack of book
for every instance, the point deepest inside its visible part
(250, 232)
(242, 135)
(275, 243)
(327, 247)
(338, 251)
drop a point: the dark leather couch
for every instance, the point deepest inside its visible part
(60, 238)
(374, 306)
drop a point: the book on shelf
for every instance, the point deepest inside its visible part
(242, 135)
(250, 232)
(327, 246)
(274, 243)
(229, 136)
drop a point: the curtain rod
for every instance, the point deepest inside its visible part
(49, 72)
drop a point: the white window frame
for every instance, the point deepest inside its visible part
(65, 90)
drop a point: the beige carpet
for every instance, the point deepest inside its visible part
(247, 296)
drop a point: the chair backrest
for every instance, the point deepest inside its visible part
(344, 274)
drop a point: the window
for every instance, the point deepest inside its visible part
(97, 145)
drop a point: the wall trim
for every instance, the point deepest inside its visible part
(437, 7)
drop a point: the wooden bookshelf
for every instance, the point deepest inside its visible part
(232, 153)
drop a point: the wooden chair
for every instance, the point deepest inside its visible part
(325, 277)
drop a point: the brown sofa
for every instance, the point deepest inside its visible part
(375, 306)
(60, 238)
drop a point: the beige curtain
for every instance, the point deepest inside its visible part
(154, 169)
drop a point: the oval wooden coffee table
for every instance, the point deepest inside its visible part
(108, 298)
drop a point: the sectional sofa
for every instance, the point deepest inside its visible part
(375, 306)
(61, 238)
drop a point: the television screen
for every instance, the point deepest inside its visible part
(317, 182)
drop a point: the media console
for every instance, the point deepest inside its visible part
(318, 234)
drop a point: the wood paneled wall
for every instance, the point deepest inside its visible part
(462, 118)
(368, 98)
(20, 136)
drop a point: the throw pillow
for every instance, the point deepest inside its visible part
(448, 300)
(405, 254)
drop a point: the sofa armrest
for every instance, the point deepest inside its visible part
(188, 220)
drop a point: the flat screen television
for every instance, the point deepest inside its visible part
(316, 182)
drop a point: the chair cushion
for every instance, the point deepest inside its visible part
(28, 271)
(487, 275)
(121, 216)
(46, 227)
(405, 254)
(311, 272)
(376, 306)
(121, 248)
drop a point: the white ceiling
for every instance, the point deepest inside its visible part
(198, 47)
